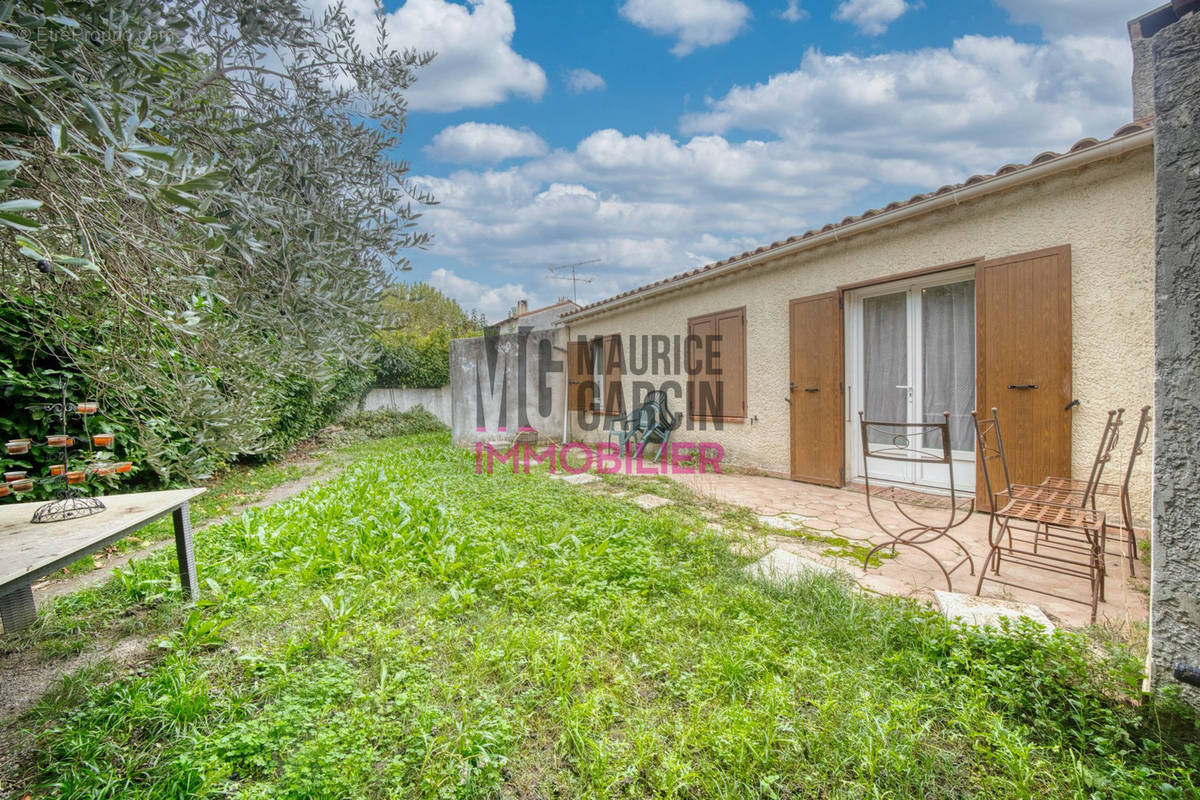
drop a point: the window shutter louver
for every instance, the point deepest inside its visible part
(614, 401)
(718, 389)
(579, 376)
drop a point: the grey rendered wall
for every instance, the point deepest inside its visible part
(1175, 583)
(501, 384)
(435, 401)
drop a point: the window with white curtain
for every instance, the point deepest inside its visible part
(910, 358)
(948, 361)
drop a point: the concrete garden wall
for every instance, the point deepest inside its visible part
(501, 384)
(435, 401)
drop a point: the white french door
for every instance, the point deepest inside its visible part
(910, 356)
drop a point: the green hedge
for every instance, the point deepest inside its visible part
(166, 448)
(414, 362)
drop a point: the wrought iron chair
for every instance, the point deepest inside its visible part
(1119, 491)
(1066, 491)
(1076, 547)
(906, 442)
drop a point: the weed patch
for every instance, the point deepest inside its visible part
(412, 629)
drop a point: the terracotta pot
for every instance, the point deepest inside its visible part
(76, 476)
(102, 440)
(104, 469)
(58, 440)
(56, 470)
(22, 486)
(124, 466)
(16, 447)
(4, 490)
(15, 475)
(87, 408)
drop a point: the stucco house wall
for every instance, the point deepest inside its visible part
(1104, 211)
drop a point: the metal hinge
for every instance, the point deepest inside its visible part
(842, 475)
(842, 387)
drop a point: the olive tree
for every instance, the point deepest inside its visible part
(202, 203)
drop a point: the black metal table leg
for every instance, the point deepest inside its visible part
(17, 609)
(183, 551)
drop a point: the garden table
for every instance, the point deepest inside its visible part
(30, 551)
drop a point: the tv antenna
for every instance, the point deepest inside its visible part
(574, 278)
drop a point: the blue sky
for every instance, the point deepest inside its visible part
(660, 135)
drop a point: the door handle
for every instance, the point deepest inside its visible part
(791, 386)
(1070, 405)
(1022, 386)
(813, 389)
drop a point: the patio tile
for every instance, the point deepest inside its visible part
(858, 534)
(783, 522)
(843, 513)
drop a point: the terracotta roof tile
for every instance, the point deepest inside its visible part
(1136, 126)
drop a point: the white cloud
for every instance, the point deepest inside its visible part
(793, 12)
(872, 17)
(484, 143)
(694, 23)
(494, 302)
(651, 205)
(983, 101)
(584, 80)
(1060, 17)
(475, 65)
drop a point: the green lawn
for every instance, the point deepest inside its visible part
(412, 629)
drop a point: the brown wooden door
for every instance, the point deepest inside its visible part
(1023, 352)
(818, 430)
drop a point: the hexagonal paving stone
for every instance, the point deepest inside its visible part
(782, 522)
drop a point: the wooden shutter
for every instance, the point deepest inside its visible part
(731, 359)
(817, 425)
(1023, 352)
(721, 392)
(614, 402)
(700, 331)
(579, 376)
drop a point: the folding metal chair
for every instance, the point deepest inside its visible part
(1066, 538)
(1119, 491)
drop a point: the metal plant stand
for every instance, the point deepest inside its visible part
(912, 442)
(70, 503)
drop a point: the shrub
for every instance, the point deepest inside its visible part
(414, 362)
(382, 424)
